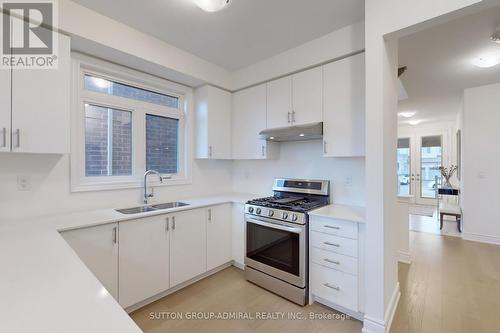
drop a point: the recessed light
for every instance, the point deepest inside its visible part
(486, 61)
(211, 5)
(407, 114)
(414, 122)
(271, 138)
(301, 134)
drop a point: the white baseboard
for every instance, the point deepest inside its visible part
(481, 238)
(372, 325)
(238, 265)
(404, 257)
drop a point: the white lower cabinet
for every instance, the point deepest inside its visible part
(219, 236)
(336, 264)
(144, 259)
(188, 237)
(136, 260)
(97, 247)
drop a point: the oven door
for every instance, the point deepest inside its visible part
(276, 248)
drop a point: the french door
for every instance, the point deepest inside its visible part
(419, 158)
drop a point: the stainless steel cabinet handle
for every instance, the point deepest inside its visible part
(18, 138)
(324, 147)
(288, 117)
(263, 151)
(332, 287)
(293, 116)
(114, 235)
(210, 151)
(167, 227)
(331, 227)
(173, 222)
(332, 261)
(332, 244)
(4, 137)
(210, 214)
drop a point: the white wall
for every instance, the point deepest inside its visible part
(331, 46)
(304, 160)
(384, 18)
(481, 157)
(50, 187)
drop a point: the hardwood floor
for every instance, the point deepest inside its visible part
(452, 286)
(228, 291)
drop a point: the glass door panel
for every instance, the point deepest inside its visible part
(430, 161)
(404, 166)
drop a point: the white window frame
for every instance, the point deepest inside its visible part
(82, 65)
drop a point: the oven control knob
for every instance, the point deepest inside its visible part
(250, 209)
(257, 211)
(270, 213)
(294, 217)
(284, 215)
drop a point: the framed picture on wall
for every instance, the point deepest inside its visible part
(459, 154)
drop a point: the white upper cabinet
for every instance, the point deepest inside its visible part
(213, 123)
(188, 241)
(219, 235)
(249, 118)
(295, 99)
(144, 259)
(344, 107)
(97, 247)
(40, 106)
(279, 103)
(307, 96)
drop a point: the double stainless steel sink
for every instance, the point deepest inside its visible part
(151, 208)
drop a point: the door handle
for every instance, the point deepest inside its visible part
(173, 222)
(288, 117)
(324, 147)
(210, 151)
(263, 151)
(293, 116)
(210, 214)
(18, 138)
(167, 227)
(114, 235)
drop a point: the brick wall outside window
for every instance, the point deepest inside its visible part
(104, 158)
(161, 144)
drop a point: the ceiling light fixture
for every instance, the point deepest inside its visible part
(302, 134)
(211, 5)
(486, 61)
(414, 122)
(407, 114)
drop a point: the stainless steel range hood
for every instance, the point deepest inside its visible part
(312, 131)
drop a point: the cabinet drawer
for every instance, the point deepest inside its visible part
(334, 227)
(335, 286)
(334, 260)
(335, 244)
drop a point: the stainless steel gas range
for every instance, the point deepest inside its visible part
(277, 236)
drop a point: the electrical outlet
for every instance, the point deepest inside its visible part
(23, 183)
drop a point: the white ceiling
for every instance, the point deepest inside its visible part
(439, 66)
(242, 34)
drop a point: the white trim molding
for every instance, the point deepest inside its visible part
(372, 325)
(404, 257)
(481, 238)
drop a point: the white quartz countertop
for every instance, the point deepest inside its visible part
(45, 287)
(341, 212)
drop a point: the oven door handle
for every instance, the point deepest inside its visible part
(275, 226)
